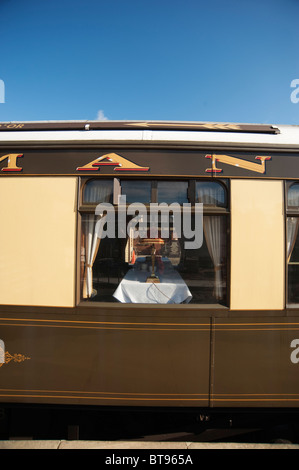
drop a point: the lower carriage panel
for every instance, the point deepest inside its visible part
(256, 362)
(100, 362)
(158, 360)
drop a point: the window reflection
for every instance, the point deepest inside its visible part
(293, 196)
(136, 191)
(96, 191)
(116, 269)
(172, 191)
(107, 262)
(210, 193)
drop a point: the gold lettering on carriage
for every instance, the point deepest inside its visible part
(121, 164)
(11, 162)
(238, 162)
(112, 159)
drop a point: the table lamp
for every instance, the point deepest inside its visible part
(153, 242)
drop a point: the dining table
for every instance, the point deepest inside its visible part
(137, 287)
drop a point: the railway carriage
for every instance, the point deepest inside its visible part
(151, 264)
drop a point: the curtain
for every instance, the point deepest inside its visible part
(292, 231)
(214, 229)
(210, 193)
(95, 191)
(92, 238)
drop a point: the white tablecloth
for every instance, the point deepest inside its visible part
(171, 289)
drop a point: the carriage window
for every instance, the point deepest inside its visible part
(293, 243)
(293, 196)
(140, 256)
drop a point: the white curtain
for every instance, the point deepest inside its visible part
(213, 230)
(210, 193)
(213, 194)
(292, 231)
(95, 191)
(92, 238)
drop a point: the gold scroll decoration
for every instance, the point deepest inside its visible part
(14, 358)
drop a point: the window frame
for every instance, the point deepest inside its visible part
(289, 212)
(89, 208)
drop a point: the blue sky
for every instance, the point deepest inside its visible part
(191, 60)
